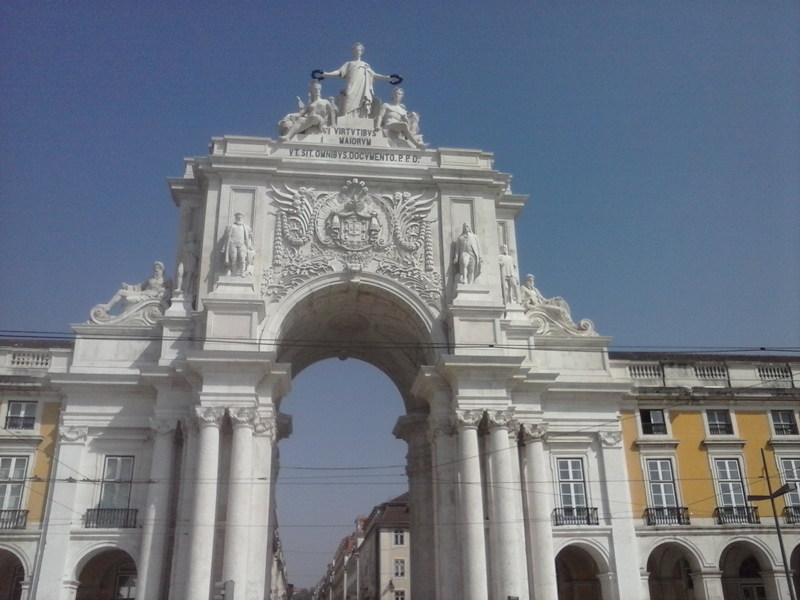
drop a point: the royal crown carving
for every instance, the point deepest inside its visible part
(352, 230)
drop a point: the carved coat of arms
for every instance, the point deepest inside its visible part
(352, 230)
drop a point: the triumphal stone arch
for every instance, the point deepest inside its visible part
(348, 235)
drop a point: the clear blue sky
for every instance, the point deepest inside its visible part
(659, 142)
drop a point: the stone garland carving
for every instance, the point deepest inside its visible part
(142, 304)
(551, 316)
(610, 439)
(352, 230)
(73, 433)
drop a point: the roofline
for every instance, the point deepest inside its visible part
(701, 356)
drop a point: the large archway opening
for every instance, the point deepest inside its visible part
(743, 567)
(670, 567)
(109, 575)
(355, 351)
(12, 574)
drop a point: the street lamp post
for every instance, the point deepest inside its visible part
(784, 489)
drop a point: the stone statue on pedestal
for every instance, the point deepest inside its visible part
(238, 248)
(318, 115)
(508, 276)
(356, 100)
(468, 255)
(396, 121)
(187, 268)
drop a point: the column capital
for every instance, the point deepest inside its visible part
(73, 434)
(244, 416)
(209, 416)
(502, 419)
(468, 418)
(161, 426)
(533, 432)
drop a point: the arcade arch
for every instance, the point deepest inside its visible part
(671, 567)
(577, 574)
(746, 573)
(108, 575)
(12, 574)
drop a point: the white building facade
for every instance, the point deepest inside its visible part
(348, 237)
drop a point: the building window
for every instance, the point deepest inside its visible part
(784, 422)
(399, 567)
(12, 481)
(729, 476)
(719, 422)
(400, 595)
(126, 580)
(653, 422)
(791, 474)
(572, 486)
(117, 478)
(21, 415)
(662, 484)
(399, 537)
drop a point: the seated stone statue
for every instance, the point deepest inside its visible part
(550, 315)
(316, 116)
(396, 121)
(157, 288)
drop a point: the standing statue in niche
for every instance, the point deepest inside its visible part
(238, 248)
(187, 268)
(396, 121)
(318, 113)
(357, 98)
(508, 276)
(468, 255)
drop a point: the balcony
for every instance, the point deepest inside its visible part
(720, 428)
(727, 515)
(667, 515)
(110, 518)
(20, 422)
(13, 519)
(578, 515)
(792, 514)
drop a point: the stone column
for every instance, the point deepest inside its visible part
(708, 585)
(201, 538)
(50, 579)
(259, 567)
(539, 509)
(472, 536)
(234, 566)
(623, 533)
(503, 510)
(444, 485)
(150, 566)
(413, 429)
(183, 525)
(519, 518)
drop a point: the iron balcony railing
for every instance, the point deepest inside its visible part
(792, 514)
(654, 428)
(13, 519)
(110, 518)
(20, 422)
(578, 515)
(720, 428)
(667, 515)
(786, 428)
(737, 514)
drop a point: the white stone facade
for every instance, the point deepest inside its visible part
(351, 241)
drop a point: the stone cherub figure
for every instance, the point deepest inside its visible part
(157, 287)
(318, 113)
(396, 121)
(238, 247)
(468, 255)
(508, 276)
(356, 99)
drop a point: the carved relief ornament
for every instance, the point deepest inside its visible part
(244, 416)
(533, 432)
(73, 433)
(352, 230)
(209, 415)
(610, 439)
(503, 419)
(468, 418)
